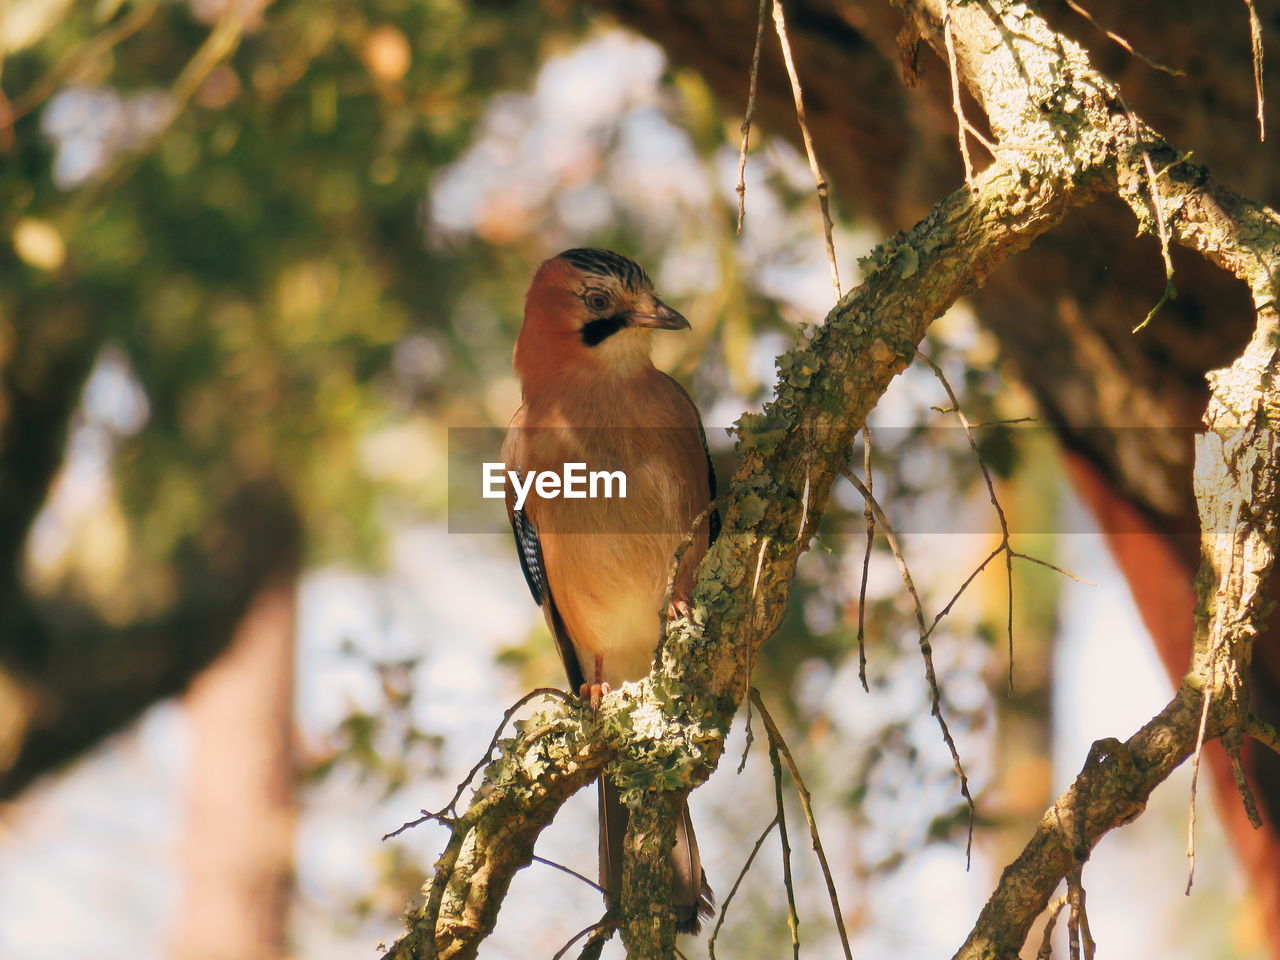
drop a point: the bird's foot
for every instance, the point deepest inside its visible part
(679, 609)
(593, 692)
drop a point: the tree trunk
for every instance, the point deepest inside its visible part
(241, 809)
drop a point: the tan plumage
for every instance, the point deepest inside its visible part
(599, 566)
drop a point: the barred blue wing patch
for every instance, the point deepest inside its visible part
(713, 521)
(529, 549)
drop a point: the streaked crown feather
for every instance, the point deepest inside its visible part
(606, 263)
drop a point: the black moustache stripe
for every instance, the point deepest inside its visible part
(596, 331)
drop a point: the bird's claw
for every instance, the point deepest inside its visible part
(678, 609)
(593, 692)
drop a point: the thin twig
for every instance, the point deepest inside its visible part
(1004, 423)
(870, 517)
(962, 125)
(793, 918)
(1231, 740)
(751, 739)
(1056, 569)
(1255, 43)
(991, 493)
(1006, 546)
(427, 817)
(606, 923)
(755, 582)
(1267, 735)
(963, 587)
(1078, 923)
(804, 506)
(926, 651)
(451, 806)
(1121, 41)
(819, 179)
(1195, 779)
(746, 120)
(776, 739)
(571, 872)
(1162, 228)
(1046, 940)
(724, 907)
(1206, 699)
(978, 135)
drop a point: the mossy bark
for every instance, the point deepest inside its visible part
(1065, 135)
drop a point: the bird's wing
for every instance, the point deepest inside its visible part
(529, 550)
(713, 521)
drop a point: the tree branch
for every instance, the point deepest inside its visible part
(666, 733)
(1064, 133)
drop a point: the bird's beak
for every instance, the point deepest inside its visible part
(662, 317)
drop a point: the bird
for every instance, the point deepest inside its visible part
(599, 567)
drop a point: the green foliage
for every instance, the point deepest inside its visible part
(260, 258)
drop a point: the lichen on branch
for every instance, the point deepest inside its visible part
(1063, 134)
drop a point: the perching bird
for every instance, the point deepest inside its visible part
(599, 566)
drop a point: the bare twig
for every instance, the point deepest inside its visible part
(1006, 546)
(1003, 423)
(793, 918)
(571, 872)
(776, 740)
(451, 806)
(750, 740)
(1056, 569)
(926, 651)
(1046, 940)
(724, 907)
(427, 817)
(1231, 740)
(819, 179)
(1255, 44)
(981, 138)
(963, 587)
(746, 120)
(1078, 934)
(1267, 735)
(1157, 208)
(962, 125)
(866, 560)
(606, 923)
(1205, 699)
(1121, 41)
(755, 581)
(991, 493)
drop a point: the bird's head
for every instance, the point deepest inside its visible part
(590, 310)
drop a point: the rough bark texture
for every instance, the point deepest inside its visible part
(1120, 403)
(1074, 135)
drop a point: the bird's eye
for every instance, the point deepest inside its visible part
(597, 302)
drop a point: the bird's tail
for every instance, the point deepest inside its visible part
(690, 893)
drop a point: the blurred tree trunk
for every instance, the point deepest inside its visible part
(241, 808)
(1123, 405)
(75, 679)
